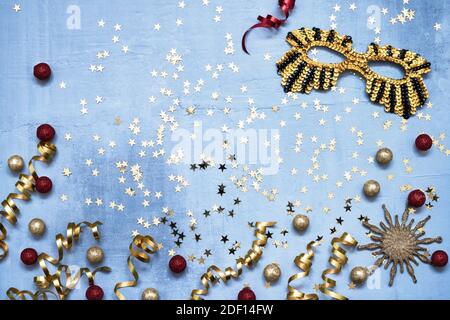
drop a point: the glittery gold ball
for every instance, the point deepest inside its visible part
(150, 294)
(16, 163)
(384, 156)
(300, 222)
(95, 255)
(359, 275)
(36, 227)
(371, 188)
(272, 272)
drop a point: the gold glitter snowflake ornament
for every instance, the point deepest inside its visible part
(399, 244)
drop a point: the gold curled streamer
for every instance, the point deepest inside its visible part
(16, 294)
(251, 258)
(71, 282)
(140, 248)
(25, 186)
(304, 262)
(72, 234)
(337, 259)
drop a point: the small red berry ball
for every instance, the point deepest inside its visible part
(43, 184)
(29, 256)
(439, 258)
(177, 264)
(45, 132)
(42, 71)
(416, 198)
(246, 294)
(424, 142)
(94, 292)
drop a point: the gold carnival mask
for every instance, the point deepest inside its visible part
(302, 74)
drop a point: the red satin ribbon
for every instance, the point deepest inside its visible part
(269, 21)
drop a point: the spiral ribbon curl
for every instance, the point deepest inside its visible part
(337, 259)
(304, 262)
(25, 186)
(15, 294)
(250, 259)
(72, 281)
(140, 248)
(270, 21)
(72, 235)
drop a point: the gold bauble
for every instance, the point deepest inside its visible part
(150, 294)
(95, 255)
(272, 272)
(384, 156)
(359, 275)
(36, 227)
(371, 188)
(300, 222)
(16, 163)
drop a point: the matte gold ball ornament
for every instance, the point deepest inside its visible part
(95, 255)
(272, 272)
(359, 275)
(37, 227)
(150, 294)
(371, 188)
(300, 222)
(384, 156)
(16, 163)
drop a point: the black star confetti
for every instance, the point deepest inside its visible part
(221, 189)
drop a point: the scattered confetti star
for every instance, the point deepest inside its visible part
(66, 172)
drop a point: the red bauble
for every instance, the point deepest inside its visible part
(29, 256)
(424, 142)
(94, 292)
(439, 258)
(42, 71)
(45, 132)
(246, 294)
(43, 184)
(177, 264)
(416, 198)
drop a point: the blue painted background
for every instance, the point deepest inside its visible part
(39, 33)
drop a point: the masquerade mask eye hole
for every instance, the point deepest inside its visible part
(325, 55)
(387, 69)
